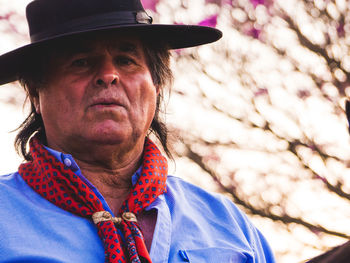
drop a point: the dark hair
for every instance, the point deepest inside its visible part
(32, 77)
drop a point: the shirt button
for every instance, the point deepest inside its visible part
(184, 256)
(67, 162)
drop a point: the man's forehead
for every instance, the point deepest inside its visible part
(92, 43)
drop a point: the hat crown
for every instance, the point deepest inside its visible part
(53, 15)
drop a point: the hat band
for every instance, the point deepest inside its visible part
(94, 22)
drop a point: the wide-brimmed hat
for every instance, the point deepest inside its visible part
(50, 20)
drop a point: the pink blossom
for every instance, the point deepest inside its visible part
(255, 3)
(253, 32)
(341, 30)
(210, 21)
(316, 231)
(318, 177)
(313, 147)
(218, 2)
(303, 94)
(212, 158)
(178, 51)
(227, 2)
(6, 16)
(150, 4)
(261, 92)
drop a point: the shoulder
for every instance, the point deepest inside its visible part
(14, 190)
(11, 182)
(191, 195)
(217, 215)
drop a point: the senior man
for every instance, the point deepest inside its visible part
(95, 187)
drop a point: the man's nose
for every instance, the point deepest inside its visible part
(107, 74)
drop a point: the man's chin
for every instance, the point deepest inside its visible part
(108, 139)
(110, 136)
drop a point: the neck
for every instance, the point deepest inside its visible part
(113, 184)
(108, 169)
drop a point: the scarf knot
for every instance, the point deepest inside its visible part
(103, 216)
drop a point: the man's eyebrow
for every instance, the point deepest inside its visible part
(127, 47)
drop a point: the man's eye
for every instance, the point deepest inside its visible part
(82, 62)
(124, 61)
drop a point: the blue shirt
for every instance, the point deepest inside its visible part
(192, 225)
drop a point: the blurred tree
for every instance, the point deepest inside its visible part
(268, 124)
(260, 114)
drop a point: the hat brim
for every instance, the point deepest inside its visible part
(175, 36)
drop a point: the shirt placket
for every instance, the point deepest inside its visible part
(162, 233)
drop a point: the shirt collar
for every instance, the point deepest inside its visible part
(69, 162)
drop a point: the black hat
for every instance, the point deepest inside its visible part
(50, 20)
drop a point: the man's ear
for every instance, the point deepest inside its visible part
(36, 103)
(157, 89)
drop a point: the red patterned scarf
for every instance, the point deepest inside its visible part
(61, 186)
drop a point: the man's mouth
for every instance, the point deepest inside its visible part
(105, 103)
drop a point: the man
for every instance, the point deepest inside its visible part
(95, 187)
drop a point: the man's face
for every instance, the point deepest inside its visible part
(99, 91)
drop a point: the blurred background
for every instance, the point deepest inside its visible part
(258, 116)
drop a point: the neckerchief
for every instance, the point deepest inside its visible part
(61, 186)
